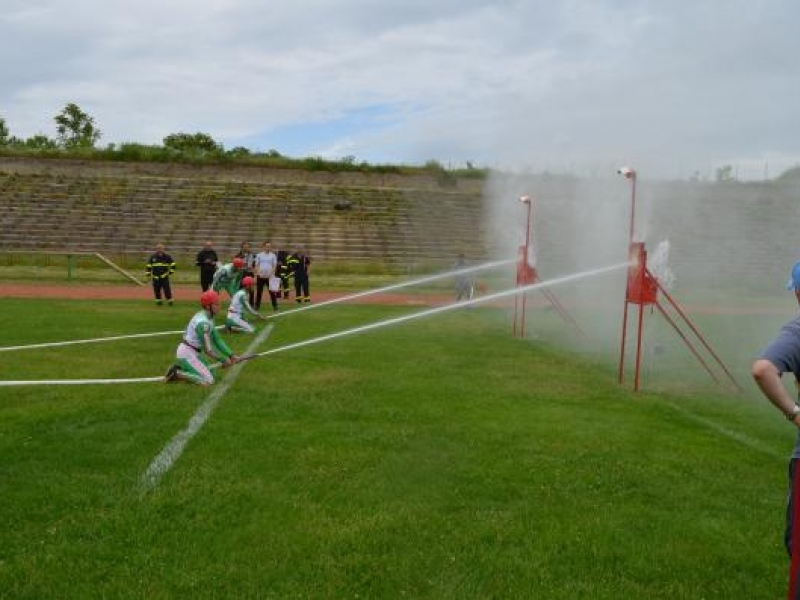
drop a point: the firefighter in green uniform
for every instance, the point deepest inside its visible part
(159, 267)
(228, 277)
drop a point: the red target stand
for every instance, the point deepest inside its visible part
(643, 290)
(527, 275)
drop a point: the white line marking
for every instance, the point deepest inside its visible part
(114, 338)
(171, 452)
(80, 381)
(743, 439)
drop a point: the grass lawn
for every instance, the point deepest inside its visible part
(438, 458)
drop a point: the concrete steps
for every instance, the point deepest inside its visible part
(332, 222)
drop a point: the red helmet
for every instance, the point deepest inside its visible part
(208, 298)
(247, 281)
(238, 262)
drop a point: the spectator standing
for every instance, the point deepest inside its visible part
(207, 260)
(200, 337)
(158, 269)
(266, 265)
(464, 283)
(300, 264)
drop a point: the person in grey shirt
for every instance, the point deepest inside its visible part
(782, 355)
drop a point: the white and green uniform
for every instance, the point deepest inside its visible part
(200, 336)
(240, 305)
(227, 278)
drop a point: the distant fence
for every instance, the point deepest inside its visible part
(37, 264)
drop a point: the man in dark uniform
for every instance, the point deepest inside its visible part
(207, 260)
(300, 263)
(158, 268)
(283, 271)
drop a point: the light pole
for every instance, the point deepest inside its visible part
(633, 254)
(630, 174)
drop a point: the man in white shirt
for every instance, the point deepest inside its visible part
(265, 265)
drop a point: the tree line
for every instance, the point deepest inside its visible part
(77, 135)
(75, 129)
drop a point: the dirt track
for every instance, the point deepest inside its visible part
(190, 293)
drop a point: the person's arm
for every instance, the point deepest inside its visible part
(214, 345)
(768, 378)
(222, 352)
(250, 309)
(218, 275)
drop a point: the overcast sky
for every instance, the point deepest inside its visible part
(671, 87)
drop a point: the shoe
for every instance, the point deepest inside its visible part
(171, 375)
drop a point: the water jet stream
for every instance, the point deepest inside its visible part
(397, 286)
(445, 308)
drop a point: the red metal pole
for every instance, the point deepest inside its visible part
(516, 301)
(629, 174)
(687, 342)
(529, 202)
(638, 348)
(621, 377)
(703, 341)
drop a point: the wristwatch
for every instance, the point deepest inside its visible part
(793, 414)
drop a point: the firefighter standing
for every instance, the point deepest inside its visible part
(159, 267)
(300, 263)
(284, 272)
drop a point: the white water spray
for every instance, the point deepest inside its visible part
(397, 286)
(658, 263)
(440, 309)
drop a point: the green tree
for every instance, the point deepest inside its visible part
(5, 134)
(40, 142)
(192, 142)
(76, 128)
(238, 152)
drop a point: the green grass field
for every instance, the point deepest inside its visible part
(438, 458)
